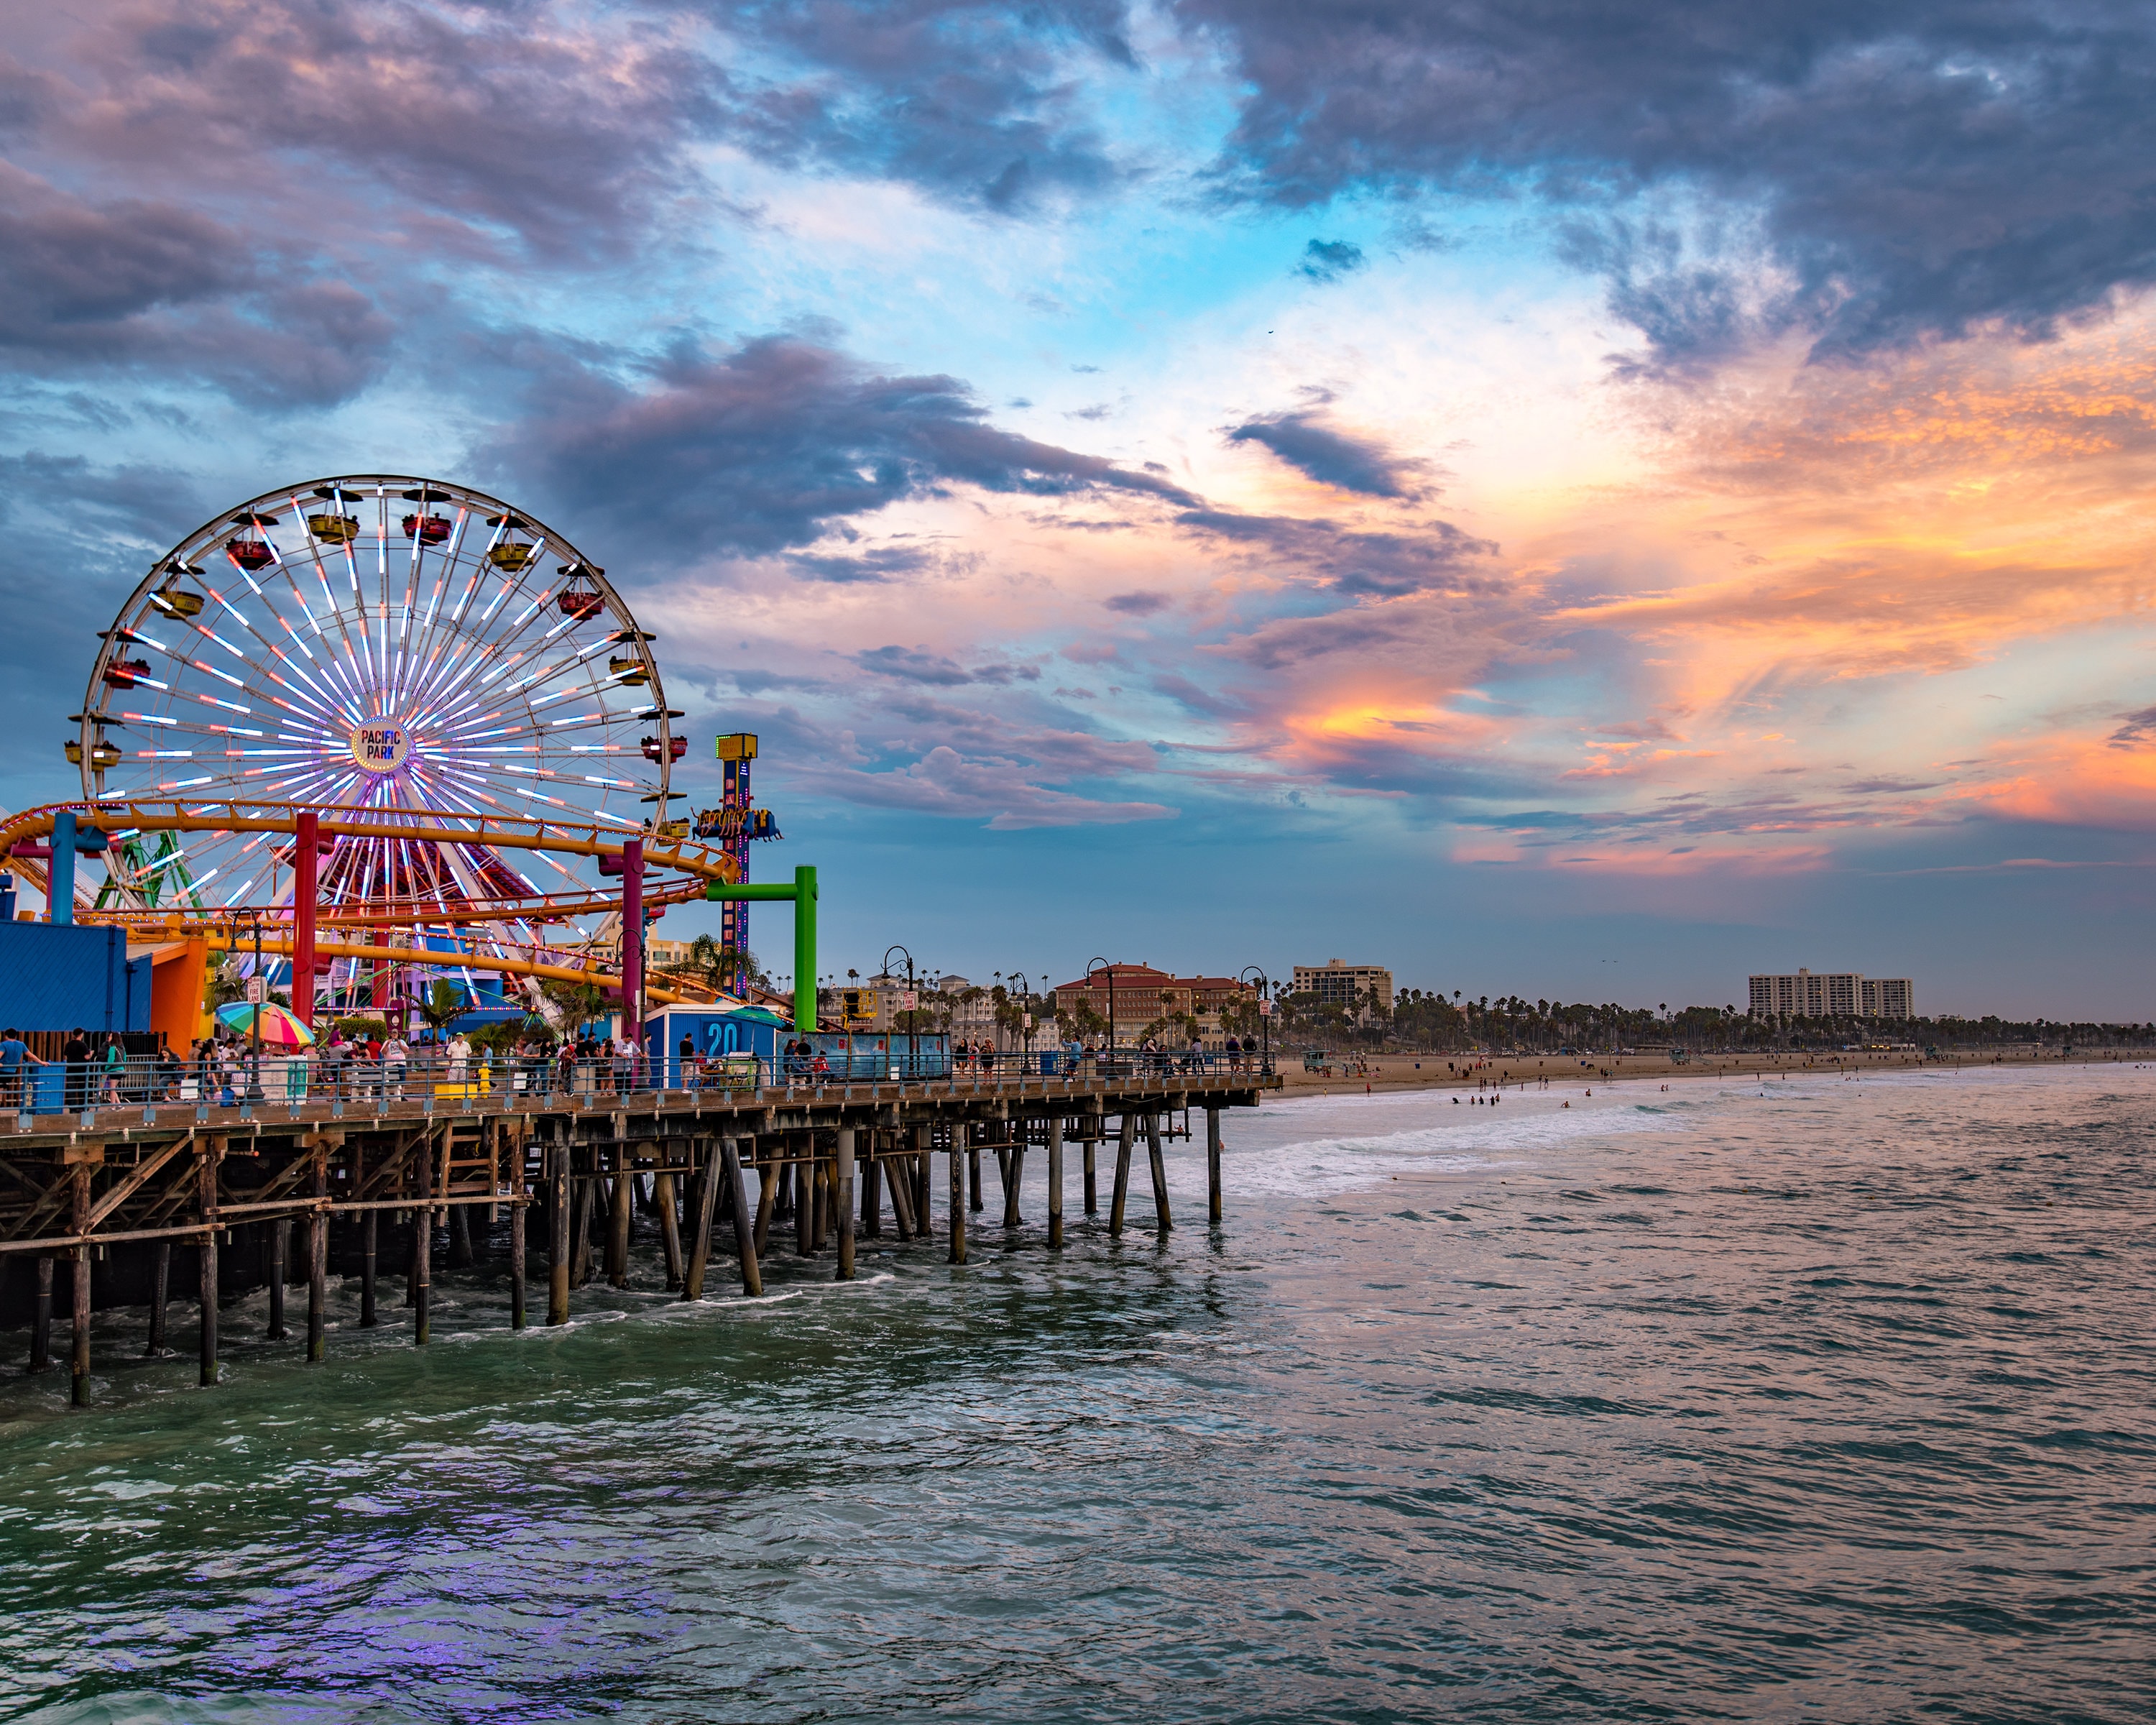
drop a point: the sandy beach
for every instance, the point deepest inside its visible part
(1475, 1072)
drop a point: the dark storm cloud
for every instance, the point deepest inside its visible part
(1438, 557)
(763, 448)
(1331, 456)
(1920, 166)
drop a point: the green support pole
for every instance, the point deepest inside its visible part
(804, 949)
(802, 895)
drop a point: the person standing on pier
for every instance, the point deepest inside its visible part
(16, 1060)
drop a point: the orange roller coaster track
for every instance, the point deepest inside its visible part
(670, 870)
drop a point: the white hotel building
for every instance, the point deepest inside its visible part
(1834, 994)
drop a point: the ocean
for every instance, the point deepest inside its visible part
(1800, 1399)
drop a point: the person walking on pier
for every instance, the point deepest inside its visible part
(74, 1053)
(16, 1060)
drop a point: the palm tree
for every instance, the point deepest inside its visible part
(443, 1004)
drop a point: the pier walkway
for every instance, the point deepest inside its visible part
(281, 1193)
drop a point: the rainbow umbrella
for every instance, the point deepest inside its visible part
(280, 1029)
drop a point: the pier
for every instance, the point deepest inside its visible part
(283, 1194)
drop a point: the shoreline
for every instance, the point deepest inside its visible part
(1474, 1073)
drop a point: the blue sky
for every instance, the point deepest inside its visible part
(1589, 501)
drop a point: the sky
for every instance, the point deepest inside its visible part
(1581, 499)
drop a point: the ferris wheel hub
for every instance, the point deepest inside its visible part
(381, 746)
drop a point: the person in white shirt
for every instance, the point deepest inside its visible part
(460, 1058)
(395, 1056)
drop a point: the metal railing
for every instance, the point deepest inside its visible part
(233, 1076)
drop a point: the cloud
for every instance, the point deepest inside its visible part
(765, 446)
(1439, 556)
(1329, 259)
(1914, 167)
(945, 783)
(2137, 729)
(1139, 604)
(914, 665)
(1304, 439)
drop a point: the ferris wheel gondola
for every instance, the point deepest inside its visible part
(371, 641)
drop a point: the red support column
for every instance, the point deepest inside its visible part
(307, 853)
(632, 938)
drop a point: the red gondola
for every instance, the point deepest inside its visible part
(122, 673)
(250, 554)
(430, 529)
(677, 748)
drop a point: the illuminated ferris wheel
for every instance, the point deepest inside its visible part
(372, 642)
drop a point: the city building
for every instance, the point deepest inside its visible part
(1143, 996)
(1336, 983)
(1838, 993)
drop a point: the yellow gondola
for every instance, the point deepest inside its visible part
(628, 672)
(334, 529)
(510, 555)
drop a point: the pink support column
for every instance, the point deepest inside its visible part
(632, 939)
(306, 853)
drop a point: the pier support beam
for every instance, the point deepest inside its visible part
(278, 1244)
(617, 1218)
(1088, 1151)
(369, 1257)
(558, 1234)
(902, 1188)
(79, 1337)
(746, 1236)
(41, 1317)
(1055, 1185)
(842, 1179)
(161, 1282)
(1126, 1139)
(1159, 1169)
(206, 1202)
(669, 1229)
(318, 1265)
(1213, 1166)
(957, 1194)
(707, 1189)
(1013, 1163)
(422, 1245)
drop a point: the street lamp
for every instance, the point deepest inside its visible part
(1099, 963)
(1265, 1018)
(1024, 993)
(912, 1012)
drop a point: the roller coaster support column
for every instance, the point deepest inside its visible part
(802, 896)
(307, 857)
(632, 939)
(59, 871)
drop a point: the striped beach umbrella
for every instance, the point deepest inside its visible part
(280, 1028)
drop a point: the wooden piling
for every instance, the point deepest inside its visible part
(746, 1239)
(580, 1258)
(422, 1245)
(901, 1196)
(160, 1282)
(1159, 1169)
(1213, 1166)
(705, 1195)
(517, 1317)
(368, 1255)
(1055, 1185)
(924, 1183)
(1089, 1147)
(206, 1202)
(766, 1199)
(670, 1229)
(558, 1256)
(80, 1339)
(805, 1203)
(1126, 1138)
(972, 1174)
(318, 1263)
(1013, 1170)
(617, 1219)
(460, 1241)
(957, 1194)
(871, 1191)
(842, 1180)
(41, 1317)
(279, 1242)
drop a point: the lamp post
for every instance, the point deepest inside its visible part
(912, 1012)
(1024, 993)
(1265, 1018)
(1099, 963)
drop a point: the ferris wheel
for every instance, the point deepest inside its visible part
(372, 642)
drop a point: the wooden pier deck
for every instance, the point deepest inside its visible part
(282, 1194)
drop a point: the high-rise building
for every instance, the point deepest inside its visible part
(1336, 983)
(1834, 993)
